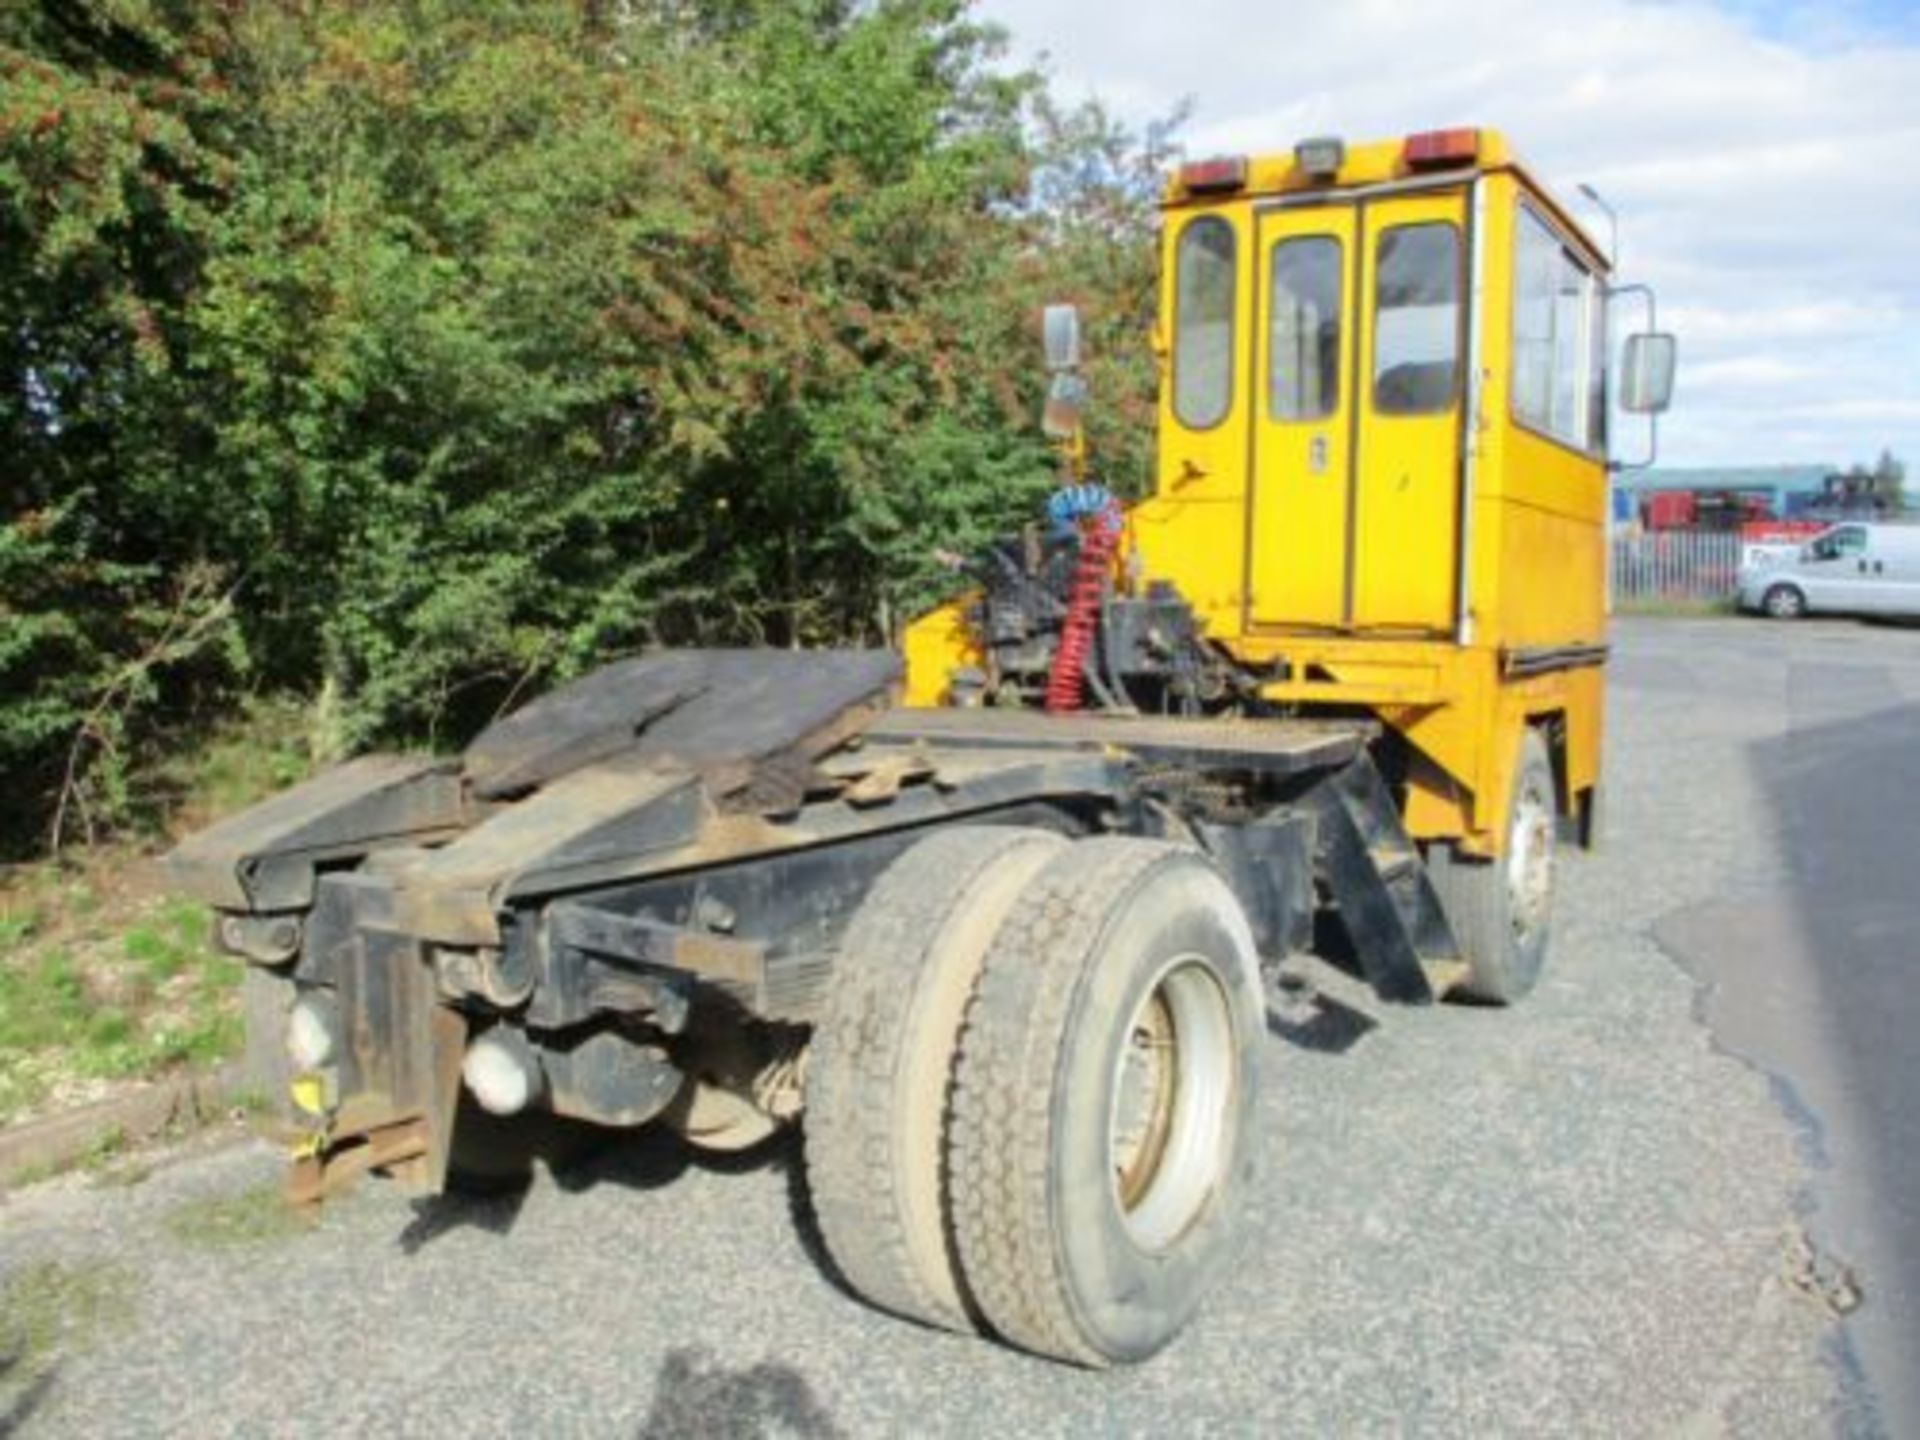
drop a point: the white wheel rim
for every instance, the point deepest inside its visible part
(1530, 861)
(1169, 1129)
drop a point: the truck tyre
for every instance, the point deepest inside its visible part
(880, 1070)
(1784, 602)
(1502, 910)
(1100, 1148)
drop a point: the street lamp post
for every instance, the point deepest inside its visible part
(1613, 225)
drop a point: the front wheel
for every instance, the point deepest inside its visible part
(1784, 602)
(1501, 910)
(1100, 1148)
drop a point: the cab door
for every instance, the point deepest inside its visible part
(1302, 418)
(1410, 387)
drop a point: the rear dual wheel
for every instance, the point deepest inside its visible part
(1100, 1147)
(882, 1062)
(1074, 1185)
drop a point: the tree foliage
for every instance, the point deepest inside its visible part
(424, 351)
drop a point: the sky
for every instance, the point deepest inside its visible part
(1763, 157)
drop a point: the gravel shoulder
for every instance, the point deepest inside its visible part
(1575, 1217)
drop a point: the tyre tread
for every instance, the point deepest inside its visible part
(860, 1053)
(1001, 1128)
(1473, 894)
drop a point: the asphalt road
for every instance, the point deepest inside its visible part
(1813, 963)
(1580, 1216)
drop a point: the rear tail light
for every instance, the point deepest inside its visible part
(1207, 177)
(1443, 147)
(313, 1032)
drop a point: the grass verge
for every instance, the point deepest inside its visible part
(105, 977)
(254, 1216)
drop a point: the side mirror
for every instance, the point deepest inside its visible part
(1060, 328)
(1646, 373)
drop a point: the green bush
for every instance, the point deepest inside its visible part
(421, 354)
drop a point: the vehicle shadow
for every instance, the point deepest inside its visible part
(18, 1407)
(695, 1395)
(1300, 1008)
(438, 1215)
(1319, 1024)
(646, 1159)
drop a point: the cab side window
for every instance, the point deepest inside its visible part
(1203, 302)
(1559, 339)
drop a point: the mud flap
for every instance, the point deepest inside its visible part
(1386, 899)
(399, 1075)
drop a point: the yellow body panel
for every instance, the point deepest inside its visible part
(1435, 563)
(933, 646)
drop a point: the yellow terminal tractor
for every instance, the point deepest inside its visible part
(1382, 490)
(1005, 952)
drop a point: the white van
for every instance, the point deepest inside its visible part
(1851, 569)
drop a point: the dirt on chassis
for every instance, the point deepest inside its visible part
(1005, 967)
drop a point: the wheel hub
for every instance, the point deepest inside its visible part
(1530, 862)
(1144, 1106)
(1170, 1133)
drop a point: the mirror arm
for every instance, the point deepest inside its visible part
(1645, 292)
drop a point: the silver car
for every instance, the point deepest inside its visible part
(1850, 569)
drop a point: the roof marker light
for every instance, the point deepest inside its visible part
(1206, 177)
(1443, 147)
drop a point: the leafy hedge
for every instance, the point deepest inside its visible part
(417, 354)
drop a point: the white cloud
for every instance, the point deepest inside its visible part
(1770, 190)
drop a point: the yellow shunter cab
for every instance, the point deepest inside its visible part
(1382, 480)
(1382, 463)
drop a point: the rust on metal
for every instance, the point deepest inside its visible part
(886, 774)
(265, 857)
(587, 826)
(1286, 746)
(646, 941)
(332, 1169)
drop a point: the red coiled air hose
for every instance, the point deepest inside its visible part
(1098, 538)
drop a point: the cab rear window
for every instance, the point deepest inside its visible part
(1416, 319)
(1303, 335)
(1203, 306)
